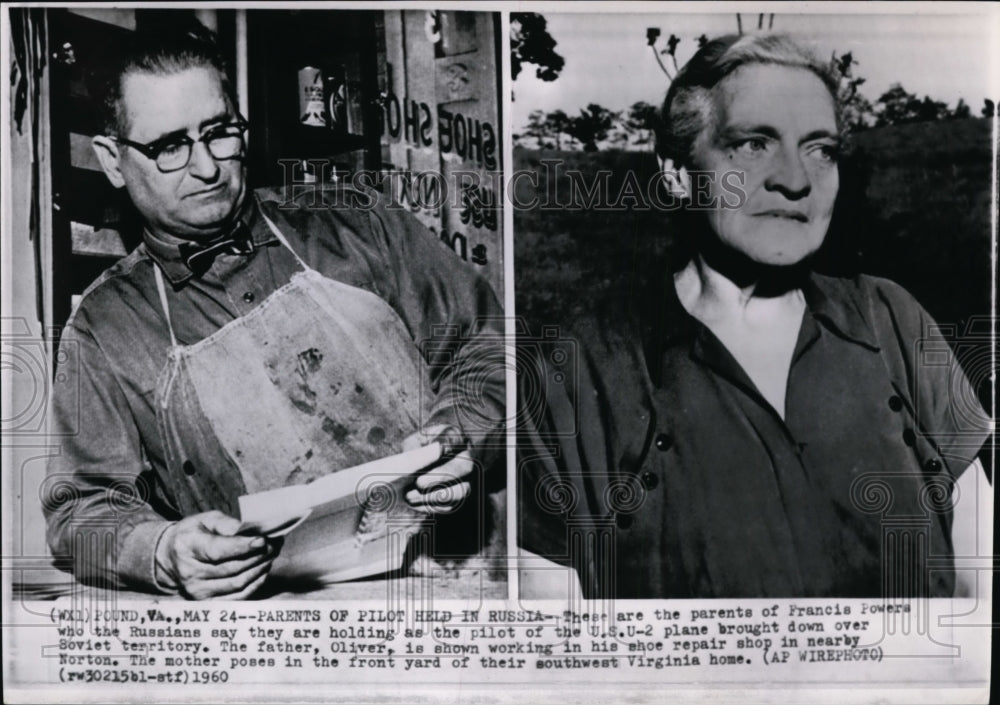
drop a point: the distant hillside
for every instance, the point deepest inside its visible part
(914, 207)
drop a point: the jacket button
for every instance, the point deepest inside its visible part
(188, 467)
(623, 521)
(249, 297)
(933, 465)
(895, 403)
(664, 442)
(909, 437)
(649, 480)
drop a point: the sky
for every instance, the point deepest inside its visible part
(945, 56)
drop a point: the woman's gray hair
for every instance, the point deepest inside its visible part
(688, 106)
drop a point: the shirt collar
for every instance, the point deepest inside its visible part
(165, 252)
(833, 301)
(838, 303)
(663, 322)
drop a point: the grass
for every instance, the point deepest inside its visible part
(914, 207)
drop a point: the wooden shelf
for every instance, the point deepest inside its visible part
(279, 45)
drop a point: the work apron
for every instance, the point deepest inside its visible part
(320, 376)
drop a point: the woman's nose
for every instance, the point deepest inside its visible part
(789, 175)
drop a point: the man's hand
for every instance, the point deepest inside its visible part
(444, 488)
(204, 558)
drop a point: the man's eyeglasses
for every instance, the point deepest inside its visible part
(174, 153)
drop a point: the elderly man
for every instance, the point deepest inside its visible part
(247, 344)
(752, 428)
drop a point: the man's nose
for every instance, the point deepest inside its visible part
(789, 175)
(202, 165)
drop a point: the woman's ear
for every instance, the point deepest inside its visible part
(106, 150)
(677, 180)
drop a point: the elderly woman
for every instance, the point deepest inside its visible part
(754, 429)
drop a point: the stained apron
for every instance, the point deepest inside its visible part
(320, 376)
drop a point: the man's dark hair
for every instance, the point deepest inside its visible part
(160, 54)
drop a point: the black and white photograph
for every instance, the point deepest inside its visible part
(498, 352)
(272, 371)
(752, 259)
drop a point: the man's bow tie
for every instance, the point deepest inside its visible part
(199, 257)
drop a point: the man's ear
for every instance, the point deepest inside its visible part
(106, 150)
(677, 180)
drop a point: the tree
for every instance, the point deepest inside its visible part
(530, 43)
(641, 121)
(989, 108)
(558, 123)
(897, 107)
(931, 110)
(856, 110)
(619, 136)
(535, 131)
(592, 125)
(894, 107)
(961, 111)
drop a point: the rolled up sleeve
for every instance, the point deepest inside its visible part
(457, 322)
(94, 498)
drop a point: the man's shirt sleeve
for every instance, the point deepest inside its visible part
(456, 320)
(95, 501)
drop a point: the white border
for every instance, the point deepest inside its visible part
(596, 693)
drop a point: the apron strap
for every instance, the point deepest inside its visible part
(162, 289)
(163, 302)
(283, 241)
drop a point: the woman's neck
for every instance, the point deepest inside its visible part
(757, 320)
(710, 295)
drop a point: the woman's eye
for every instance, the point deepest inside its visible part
(825, 153)
(752, 146)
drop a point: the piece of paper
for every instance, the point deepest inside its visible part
(345, 525)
